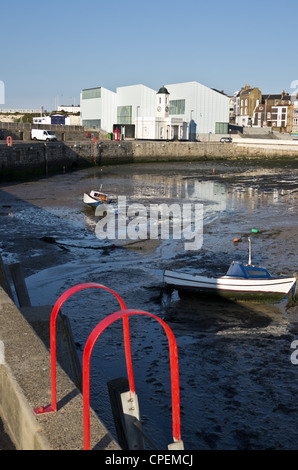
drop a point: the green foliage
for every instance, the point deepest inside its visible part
(28, 117)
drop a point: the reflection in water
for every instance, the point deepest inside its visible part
(255, 197)
(181, 188)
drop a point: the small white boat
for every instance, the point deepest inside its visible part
(242, 281)
(94, 198)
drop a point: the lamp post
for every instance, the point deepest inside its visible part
(137, 133)
(190, 124)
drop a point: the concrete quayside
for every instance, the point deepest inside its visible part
(25, 381)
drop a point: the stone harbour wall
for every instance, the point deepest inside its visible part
(38, 158)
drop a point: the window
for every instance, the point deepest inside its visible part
(124, 115)
(91, 93)
(92, 123)
(177, 107)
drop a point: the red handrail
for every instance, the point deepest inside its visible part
(86, 371)
(54, 314)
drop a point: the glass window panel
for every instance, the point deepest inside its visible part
(91, 123)
(91, 93)
(177, 107)
(124, 115)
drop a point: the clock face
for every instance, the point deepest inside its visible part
(159, 108)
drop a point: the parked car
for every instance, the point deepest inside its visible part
(226, 139)
(1, 135)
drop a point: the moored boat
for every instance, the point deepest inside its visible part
(94, 198)
(242, 281)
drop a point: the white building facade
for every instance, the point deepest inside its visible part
(98, 108)
(175, 111)
(134, 104)
(206, 110)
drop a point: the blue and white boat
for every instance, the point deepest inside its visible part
(242, 281)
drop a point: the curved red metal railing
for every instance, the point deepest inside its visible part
(54, 314)
(86, 370)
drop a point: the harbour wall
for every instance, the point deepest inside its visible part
(30, 158)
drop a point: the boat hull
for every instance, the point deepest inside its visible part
(228, 287)
(90, 201)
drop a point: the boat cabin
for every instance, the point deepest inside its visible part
(99, 195)
(247, 271)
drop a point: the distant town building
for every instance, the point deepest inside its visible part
(275, 111)
(70, 109)
(295, 118)
(52, 119)
(56, 119)
(22, 111)
(247, 100)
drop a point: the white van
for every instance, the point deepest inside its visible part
(41, 134)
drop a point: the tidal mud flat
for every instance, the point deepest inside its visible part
(237, 381)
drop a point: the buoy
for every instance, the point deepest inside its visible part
(213, 170)
(254, 230)
(236, 240)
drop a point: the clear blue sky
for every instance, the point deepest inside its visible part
(51, 50)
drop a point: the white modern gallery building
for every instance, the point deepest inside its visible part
(180, 111)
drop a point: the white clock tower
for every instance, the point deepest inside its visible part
(162, 103)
